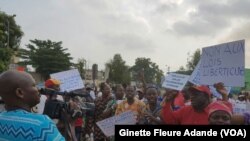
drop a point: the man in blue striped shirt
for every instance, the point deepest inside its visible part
(19, 93)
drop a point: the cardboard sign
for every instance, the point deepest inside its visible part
(175, 81)
(70, 80)
(223, 63)
(108, 125)
(195, 77)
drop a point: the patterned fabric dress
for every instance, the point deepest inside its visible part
(100, 105)
(138, 107)
(25, 126)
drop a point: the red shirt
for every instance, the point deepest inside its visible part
(179, 100)
(184, 116)
(78, 122)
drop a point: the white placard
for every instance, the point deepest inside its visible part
(240, 108)
(223, 63)
(195, 77)
(175, 81)
(108, 125)
(70, 80)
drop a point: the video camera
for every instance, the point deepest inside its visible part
(53, 108)
(47, 91)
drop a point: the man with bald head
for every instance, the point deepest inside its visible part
(19, 93)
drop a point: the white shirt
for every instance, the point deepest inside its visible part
(40, 106)
(92, 94)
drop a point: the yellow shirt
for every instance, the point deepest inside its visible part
(138, 107)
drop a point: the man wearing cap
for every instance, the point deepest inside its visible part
(197, 113)
(51, 84)
(51, 99)
(51, 104)
(194, 114)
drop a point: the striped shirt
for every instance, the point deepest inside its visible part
(20, 125)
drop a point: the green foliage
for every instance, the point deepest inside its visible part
(191, 64)
(152, 73)
(194, 60)
(15, 32)
(80, 65)
(10, 38)
(5, 56)
(46, 57)
(119, 71)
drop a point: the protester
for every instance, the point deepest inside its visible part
(101, 110)
(241, 119)
(90, 93)
(119, 93)
(19, 92)
(141, 95)
(79, 120)
(153, 107)
(59, 110)
(132, 104)
(178, 99)
(220, 113)
(52, 103)
(196, 113)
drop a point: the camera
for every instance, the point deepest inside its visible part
(53, 107)
(47, 91)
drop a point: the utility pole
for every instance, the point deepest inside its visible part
(8, 26)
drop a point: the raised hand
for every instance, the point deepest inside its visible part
(220, 88)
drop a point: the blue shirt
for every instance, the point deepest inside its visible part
(20, 125)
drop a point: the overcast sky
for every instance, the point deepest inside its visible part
(164, 30)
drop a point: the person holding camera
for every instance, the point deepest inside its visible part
(51, 103)
(19, 93)
(62, 112)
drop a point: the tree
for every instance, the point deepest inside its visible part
(5, 56)
(80, 65)
(191, 64)
(194, 60)
(152, 73)
(10, 38)
(46, 57)
(119, 71)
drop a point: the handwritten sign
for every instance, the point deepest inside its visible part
(108, 125)
(175, 81)
(223, 63)
(71, 80)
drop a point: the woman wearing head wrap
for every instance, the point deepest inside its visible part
(220, 113)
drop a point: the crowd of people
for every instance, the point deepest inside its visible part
(30, 114)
